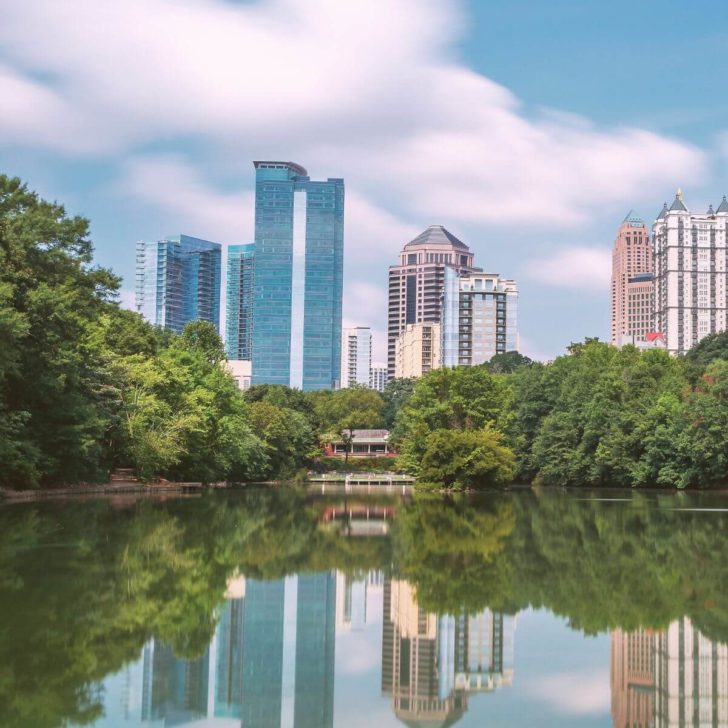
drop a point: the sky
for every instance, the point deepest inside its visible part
(528, 129)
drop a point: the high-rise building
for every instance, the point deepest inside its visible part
(479, 317)
(299, 255)
(178, 280)
(631, 287)
(378, 378)
(691, 678)
(356, 356)
(417, 350)
(239, 302)
(691, 273)
(632, 676)
(416, 283)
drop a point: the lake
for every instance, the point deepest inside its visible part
(285, 607)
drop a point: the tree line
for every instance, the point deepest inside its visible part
(86, 386)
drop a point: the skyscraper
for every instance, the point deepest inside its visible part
(356, 356)
(479, 317)
(416, 283)
(378, 378)
(691, 273)
(239, 301)
(417, 350)
(631, 281)
(299, 254)
(178, 280)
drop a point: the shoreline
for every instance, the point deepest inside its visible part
(189, 488)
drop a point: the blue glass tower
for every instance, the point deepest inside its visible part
(178, 280)
(299, 263)
(239, 301)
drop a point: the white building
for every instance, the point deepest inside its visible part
(356, 356)
(417, 350)
(691, 273)
(479, 317)
(241, 370)
(379, 377)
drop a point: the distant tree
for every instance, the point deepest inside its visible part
(396, 395)
(508, 362)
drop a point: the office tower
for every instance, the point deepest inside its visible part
(416, 283)
(178, 280)
(299, 252)
(174, 690)
(631, 289)
(356, 356)
(239, 302)
(479, 317)
(691, 678)
(263, 654)
(229, 660)
(416, 350)
(632, 676)
(351, 601)
(315, 644)
(691, 273)
(378, 378)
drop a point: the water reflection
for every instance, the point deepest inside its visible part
(675, 677)
(281, 608)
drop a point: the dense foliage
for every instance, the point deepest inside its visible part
(597, 416)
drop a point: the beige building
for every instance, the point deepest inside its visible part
(416, 282)
(632, 283)
(417, 350)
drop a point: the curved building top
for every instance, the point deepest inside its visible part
(292, 166)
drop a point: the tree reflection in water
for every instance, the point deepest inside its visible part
(213, 603)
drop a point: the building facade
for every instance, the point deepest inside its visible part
(356, 356)
(178, 281)
(631, 290)
(691, 273)
(297, 289)
(239, 302)
(417, 350)
(416, 282)
(378, 377)
(479, 317)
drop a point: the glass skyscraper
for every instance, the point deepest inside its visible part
(239, 301)
(299, 261)
(178, 280)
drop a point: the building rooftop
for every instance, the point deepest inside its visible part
(297, 168)
(723, 207)
(633, 219)
(678, 203)
(437, 235)
(663, 212)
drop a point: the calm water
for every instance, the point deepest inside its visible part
(285, 608)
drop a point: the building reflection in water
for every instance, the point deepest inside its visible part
(431, 664)
(668, 679)
(271, 662)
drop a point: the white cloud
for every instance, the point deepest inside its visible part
(575, 693)
(372, 93)
(172, 185)
(584, 269)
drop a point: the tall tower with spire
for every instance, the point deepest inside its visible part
(631, 282)
(691, 273)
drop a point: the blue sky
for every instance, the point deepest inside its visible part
(529, 129)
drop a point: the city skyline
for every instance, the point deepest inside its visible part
(535, 176)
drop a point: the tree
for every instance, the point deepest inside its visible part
(51, 423)
(508, 362)
(396, 395)
(466, 459)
